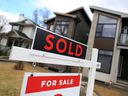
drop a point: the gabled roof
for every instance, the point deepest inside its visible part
(121, 14)
(24, 22)
(65, 14)
(68, 15)
(81, 9)
(19, 34)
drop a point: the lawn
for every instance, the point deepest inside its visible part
(11, 79)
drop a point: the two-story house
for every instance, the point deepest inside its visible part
(109, 33)
(21, 35)
(74, 24)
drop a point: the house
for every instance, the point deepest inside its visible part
(74, 24)
(21, 35)
(109, 33)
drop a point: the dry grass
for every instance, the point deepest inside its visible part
(11, 79)
(104, 90)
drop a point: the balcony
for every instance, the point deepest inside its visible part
(123, 40)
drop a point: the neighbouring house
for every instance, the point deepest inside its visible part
(21, 35)
(74, 24)
(109, 33)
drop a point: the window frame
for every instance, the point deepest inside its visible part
(60, 24)
(103, 24)
(108, 55)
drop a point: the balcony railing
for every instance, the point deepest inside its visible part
(123, 40)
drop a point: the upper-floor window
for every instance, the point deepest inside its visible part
(21, 28)
(106, 26)
(61, 27)
(51, 28)
(15, 27)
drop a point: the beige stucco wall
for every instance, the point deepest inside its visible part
(91, 40)
(116, 53)
(3, 41)
(29, 31)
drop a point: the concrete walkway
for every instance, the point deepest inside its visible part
(101, 89)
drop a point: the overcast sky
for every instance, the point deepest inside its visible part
(15, 7)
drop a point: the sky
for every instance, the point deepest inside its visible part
(15, 7)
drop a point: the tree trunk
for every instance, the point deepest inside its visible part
(19, 66)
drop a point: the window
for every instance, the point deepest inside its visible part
(20, 28)
(16, 43)
(51, 27)
(61, 27)
(105, 57)
(10, 41)
(16, 27)
(106, 27)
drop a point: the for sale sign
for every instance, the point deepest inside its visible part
(51, 84)
(53, 43)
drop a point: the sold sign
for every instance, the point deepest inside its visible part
(50, 42)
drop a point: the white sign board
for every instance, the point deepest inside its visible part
(51, 84)
(28, 55)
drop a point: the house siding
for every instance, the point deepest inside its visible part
(104, 43)
(82, 29)
(3, 41)
(29, 31)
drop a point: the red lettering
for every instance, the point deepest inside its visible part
(70, 49)
(58, 95)
(50, 43)
(58, 47)
(79, 50)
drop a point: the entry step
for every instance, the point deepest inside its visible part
(121, 84)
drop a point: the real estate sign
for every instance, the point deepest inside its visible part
(51, 42)
(51, 84)
(51, 48)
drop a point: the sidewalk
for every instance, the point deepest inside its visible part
(103, 90)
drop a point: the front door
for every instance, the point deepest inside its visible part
(123, 66)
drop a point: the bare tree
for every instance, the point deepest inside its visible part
(39, 15)
(35, 16)
(5, 27)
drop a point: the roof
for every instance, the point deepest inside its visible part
(68, 15)
(121, 14)
(81, 9)
(64, 14)
(20, 34)
(25, 22)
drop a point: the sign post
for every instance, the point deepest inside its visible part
(54, 49)
(91, 74)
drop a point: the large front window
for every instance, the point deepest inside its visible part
(106, 27)
(105, 57)
(61, 27)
